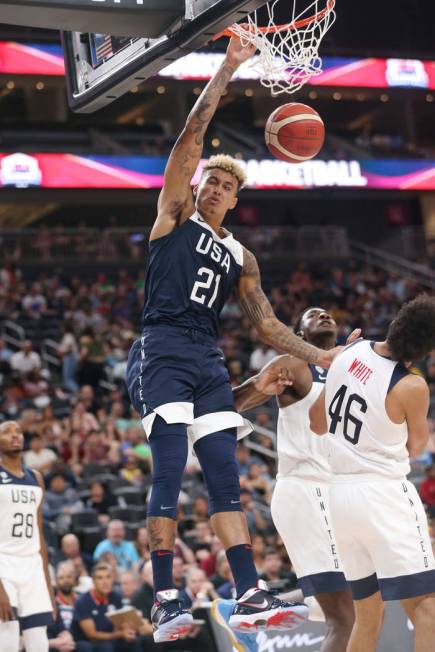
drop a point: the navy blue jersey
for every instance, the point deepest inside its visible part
(190, 275)
(91, 606)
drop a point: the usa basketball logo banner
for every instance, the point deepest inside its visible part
(20, 170)
(374, 72)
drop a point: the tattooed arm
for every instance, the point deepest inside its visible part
(257, 308)
(175, 203)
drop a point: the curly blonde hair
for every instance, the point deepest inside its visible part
(227, 164)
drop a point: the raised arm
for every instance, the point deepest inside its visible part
(175, 203)
(257, 308)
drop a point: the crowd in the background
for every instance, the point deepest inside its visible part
(82, 434)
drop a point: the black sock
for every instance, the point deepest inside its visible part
(162, 570)
(242, 566)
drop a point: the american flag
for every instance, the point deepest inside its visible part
(103, 46)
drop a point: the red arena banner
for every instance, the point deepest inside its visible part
(47, 59)
(21, 170)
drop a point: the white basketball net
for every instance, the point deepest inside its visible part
(288, 54)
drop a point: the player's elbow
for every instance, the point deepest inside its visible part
(417, 443)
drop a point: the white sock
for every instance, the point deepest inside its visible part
(9, 636)
(35, 639)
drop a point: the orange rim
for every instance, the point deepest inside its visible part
(297, 24)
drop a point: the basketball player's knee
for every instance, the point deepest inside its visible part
(35, 639)
(216, 454)
(371, 616)
(10, 636)
(168, 442)
(338, 610)
(424, 613)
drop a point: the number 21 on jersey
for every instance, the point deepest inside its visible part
(205, 291)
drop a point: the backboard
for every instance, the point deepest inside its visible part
(149, 18)
(100, 68)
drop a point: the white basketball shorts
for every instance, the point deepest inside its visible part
(300, 512)
(382, 537)
(24, 581)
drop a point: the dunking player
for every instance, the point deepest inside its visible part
(26, 599)
(375, 411)
(176, 374)
(304, 523)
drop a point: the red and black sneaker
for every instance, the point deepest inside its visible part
(168, 618)
(259, 609)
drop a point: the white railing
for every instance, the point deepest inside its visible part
(13, 334)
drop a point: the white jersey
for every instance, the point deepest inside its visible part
(20, 498)
(301, 453)
(363, 439)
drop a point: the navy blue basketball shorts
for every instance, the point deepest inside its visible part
(180, 375)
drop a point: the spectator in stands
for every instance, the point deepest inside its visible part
(38, 456)
(65, 595)
(260, 356)
(200, 508)
(178, 573)
(34, 302)
(199, 590)
(90, 622)
(109, 559)
(25, 360)
(143, 599)
(244, 459)
(89, 400)
(182, 550)
(427, 490)
(131, 472)
(258, 550)
(70, 551)
(36, 388)
(124, 551)
(223, 570)
(59, 638)
(91, 357)
(60, 501)
(141, 543)
(203, 534)
(96, 449)
(274, 573)
(262, 419)
(68, 350)
(129, 583)
(5, 357)
(59, 633)
(101, 500)
(83, 421)
(256, 521)
(259, 482)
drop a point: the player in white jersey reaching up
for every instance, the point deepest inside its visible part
(376, 413)
(300, 508)
(26, 597)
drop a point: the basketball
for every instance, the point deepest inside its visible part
(294, 133)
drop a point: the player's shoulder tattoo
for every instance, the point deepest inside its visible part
(250, 265)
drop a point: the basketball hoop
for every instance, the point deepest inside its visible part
(288, 53)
